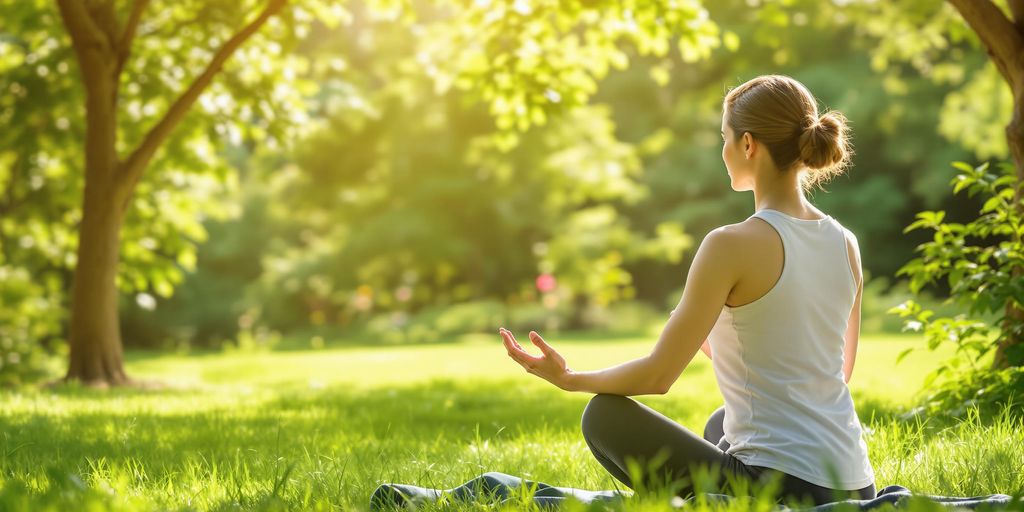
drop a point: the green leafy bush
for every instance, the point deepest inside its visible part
(30, 312)
(881, 294)
(434, 323)
(445, 322)
(977, 259)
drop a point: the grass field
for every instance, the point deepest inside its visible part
(320, 429)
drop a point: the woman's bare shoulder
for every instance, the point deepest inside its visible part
(751, 230)
(741, 243)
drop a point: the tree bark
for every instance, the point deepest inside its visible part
(1000, 36)
(95, 329)
(95, 336)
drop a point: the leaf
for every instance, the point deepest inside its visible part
(991, 204)
(731, 40)
(961, 181)
(163, 288)
(963, 166)
(904, 354)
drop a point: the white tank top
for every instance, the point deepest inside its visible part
(779, 363)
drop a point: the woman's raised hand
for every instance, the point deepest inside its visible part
(550, 365)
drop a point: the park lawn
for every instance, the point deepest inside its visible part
(320, 429)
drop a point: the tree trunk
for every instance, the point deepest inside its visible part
(102, 48)
(95, 330)
(95, 333)
(1010, 348)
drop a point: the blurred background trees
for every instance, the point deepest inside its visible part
(486, 44)
(410, 175)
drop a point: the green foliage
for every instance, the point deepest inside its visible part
(532, 60)
(257, 99)
(397, 103)
(882, 293)
(931, 39)
(449, 322)
(600, 196)
(252, 339)
(990, 392)
(434, 323)
(976, 114)
(977, 260)
(30, 314)
(268, 94)
(468, 222)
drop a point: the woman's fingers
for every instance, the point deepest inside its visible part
(541, 344)
(548, 366)
(516, 352)
(513, 338)
(547, 349)
(508, 345)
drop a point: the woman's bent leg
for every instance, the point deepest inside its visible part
(792, 488)
(795, 489)
(714, 429)
(618, 428)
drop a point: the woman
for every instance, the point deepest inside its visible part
(776, 299)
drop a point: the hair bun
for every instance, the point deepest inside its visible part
(824, 143)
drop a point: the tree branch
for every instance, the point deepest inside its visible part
(133, 166)
(124, 43)
(89, 42)
(1017, 10)
(1002, 40)
(105, 18)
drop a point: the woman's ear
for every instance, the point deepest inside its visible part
(749, 145)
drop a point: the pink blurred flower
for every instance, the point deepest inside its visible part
(546, 282)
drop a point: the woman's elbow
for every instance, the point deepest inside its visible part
(662, 386)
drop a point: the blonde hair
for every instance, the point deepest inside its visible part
(782, 114)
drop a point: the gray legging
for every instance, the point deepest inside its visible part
(616, 427)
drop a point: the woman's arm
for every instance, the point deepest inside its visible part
(706, 347)
(708, 282)
(710, 279)
(852, 336)
(635, 377)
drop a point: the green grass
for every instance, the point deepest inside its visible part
(320, 429)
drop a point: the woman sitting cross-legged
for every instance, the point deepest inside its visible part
(776, 300)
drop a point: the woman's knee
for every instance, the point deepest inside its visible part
(714, 428)
(600, 413)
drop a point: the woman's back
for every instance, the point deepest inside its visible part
(779, 362)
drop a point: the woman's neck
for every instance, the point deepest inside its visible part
(783, 194)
